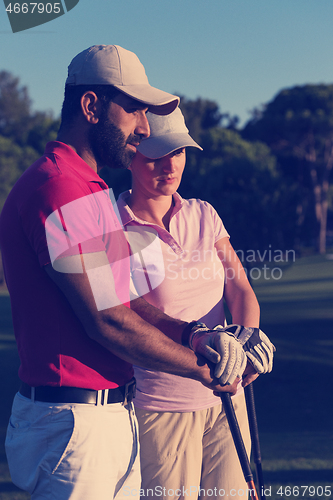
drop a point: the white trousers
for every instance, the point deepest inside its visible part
(192, 455)
(73, 451)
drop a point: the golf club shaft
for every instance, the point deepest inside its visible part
(238, 441)
(251, 411)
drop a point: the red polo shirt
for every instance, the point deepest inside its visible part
(60, 206)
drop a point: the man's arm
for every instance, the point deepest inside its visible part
(123, 332)
(171, 327)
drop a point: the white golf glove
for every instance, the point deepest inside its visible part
(257, 346)
(222, 348)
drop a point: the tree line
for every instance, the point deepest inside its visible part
(270, 180)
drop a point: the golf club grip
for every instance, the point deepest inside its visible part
(237, 436)
(251, 412)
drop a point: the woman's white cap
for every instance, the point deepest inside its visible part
(167, 134)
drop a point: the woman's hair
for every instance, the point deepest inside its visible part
(72, 101)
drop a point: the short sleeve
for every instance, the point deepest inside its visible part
(218, 226)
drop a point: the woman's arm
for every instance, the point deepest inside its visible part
(238, 294)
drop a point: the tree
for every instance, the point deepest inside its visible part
(23, 133)
(15, 107)
(13, 161)
(43, 128)
(237, 177)
(204, 114)
(17, 120)
(298, 126)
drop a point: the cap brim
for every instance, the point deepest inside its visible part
(157, 147)
(158, 101)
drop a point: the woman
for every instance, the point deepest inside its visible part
(186, 444)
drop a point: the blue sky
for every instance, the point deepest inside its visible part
(239, 53)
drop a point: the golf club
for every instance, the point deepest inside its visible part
(251, 411)
(239, 443)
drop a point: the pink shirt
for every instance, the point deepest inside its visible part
(189, 279)
(60, 206)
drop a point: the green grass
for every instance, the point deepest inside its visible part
(294, 402)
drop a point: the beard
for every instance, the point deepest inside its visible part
(108, 144)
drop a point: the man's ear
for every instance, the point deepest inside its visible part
(91, 107)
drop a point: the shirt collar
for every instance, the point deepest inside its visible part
(178, 203)
(74, 161)
(128, 216)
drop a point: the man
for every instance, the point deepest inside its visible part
(72, 432)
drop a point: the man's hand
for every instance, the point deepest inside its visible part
(208, 379)
(257, 346)
(221, 348)
(249, 375)
(218, 388)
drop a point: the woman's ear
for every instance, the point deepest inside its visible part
(91, 107)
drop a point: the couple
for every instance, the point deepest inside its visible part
(72, 432)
